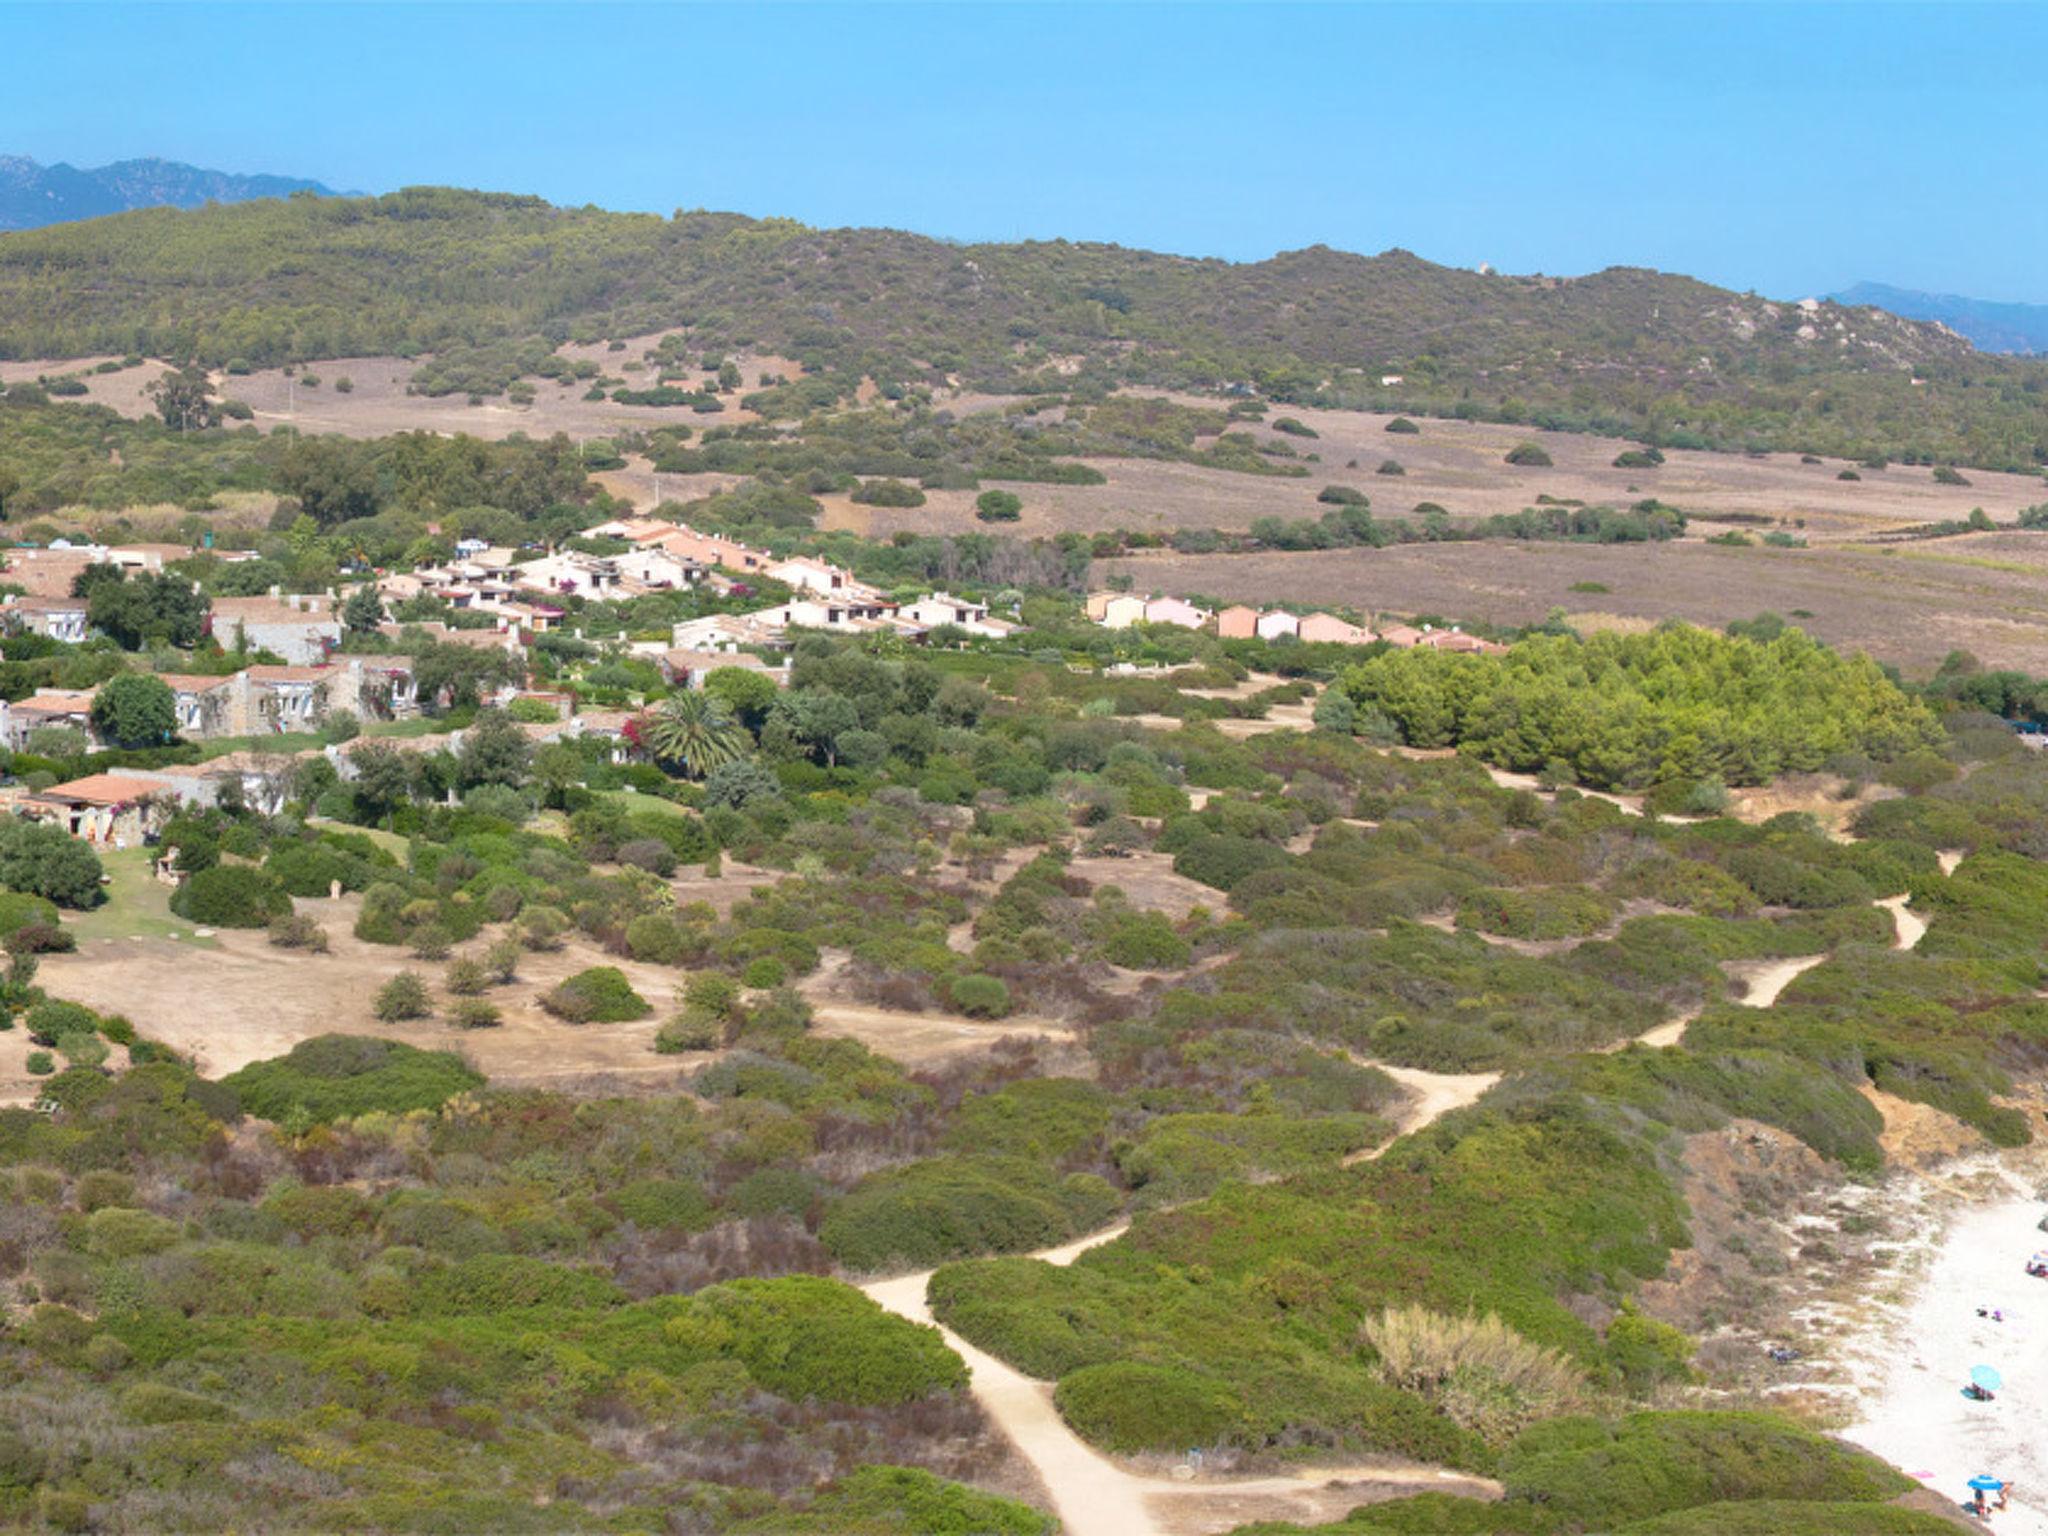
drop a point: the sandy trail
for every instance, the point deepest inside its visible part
(1911, 926)
(1092, 1495)
(1767, 978)
(1665, 1035)
(1436, 1093)
(1948, 859)
(1917, 1417)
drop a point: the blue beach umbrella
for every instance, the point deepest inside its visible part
(1986, 1378)
(1983, 1482)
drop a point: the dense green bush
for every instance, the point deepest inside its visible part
(885, 492)
(1605, 1473)
(947, 1207)
(981, 997)
(1129, 1407)
(804, 1337)
(231, 896)
(1537, 912)
(599, 995)
(41, 860)
(902, 1501)
(331, 1077)
(1628, 710)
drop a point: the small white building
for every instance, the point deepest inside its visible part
(1177, 611)
(943, 608)
(1122, 611)
(1271, 626)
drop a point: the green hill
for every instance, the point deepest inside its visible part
(487, 280)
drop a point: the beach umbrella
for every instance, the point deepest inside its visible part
(1986, 1378)
(1983, 1482)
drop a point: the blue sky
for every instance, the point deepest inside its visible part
(1786, 149)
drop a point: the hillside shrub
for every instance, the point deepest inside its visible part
(887, 493)
(404, 996)
(981, 997)
(331, 1077)
(1401, 424)
(231, 896)
(475, 1013)
(1602, 1473)
(297, 930)
(949, 1207)
(1528, 456)
(1127, 1406)
(598, 995)
(42, 860)
(804, 1337)
(903, 1499)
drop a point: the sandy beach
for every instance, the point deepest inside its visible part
(1916, 1416)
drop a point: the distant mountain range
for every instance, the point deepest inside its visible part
(1991, 326)
(32, 195)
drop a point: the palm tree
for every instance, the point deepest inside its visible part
(696, 731)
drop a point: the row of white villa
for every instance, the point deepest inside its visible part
(1121, 610)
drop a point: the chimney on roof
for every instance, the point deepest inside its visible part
(276, 590)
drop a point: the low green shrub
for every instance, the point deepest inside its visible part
(231, 896)
(332, 1077)
(1130, 1407)
(599, 995)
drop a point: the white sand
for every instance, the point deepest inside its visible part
(1917, 1417)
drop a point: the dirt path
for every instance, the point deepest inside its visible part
(1432, 1096)
(1911, 926)
(1948, 859)
(1093, 1495)
(1767, 978)
(1436, 1093)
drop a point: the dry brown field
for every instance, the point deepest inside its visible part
(1910, 605)
(379, 404)
(1460, 466)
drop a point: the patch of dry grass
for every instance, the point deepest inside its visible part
(1478, 1371)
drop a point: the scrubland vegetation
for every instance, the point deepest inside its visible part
(360, 1285)
(281, 282)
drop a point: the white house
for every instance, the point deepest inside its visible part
(1271, 626)
(301, 628)
(61, 618)
(721, 632)
(1174, 610)
(808, 575)
(1122, 611)
(943, 608)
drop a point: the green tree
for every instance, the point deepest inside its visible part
(41, 860)
(333, 479)
(383, 777)
(135, 710)
(494, 751)
(363, 611)
(744, 692)
(998, 506)
(181, 399)
(135, 612)
(694, 731)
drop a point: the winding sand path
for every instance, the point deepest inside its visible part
(1093, 1495)
(1767, 978)
(1910, 927)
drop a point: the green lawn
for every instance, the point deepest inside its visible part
(137, 906)
(268, 741)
